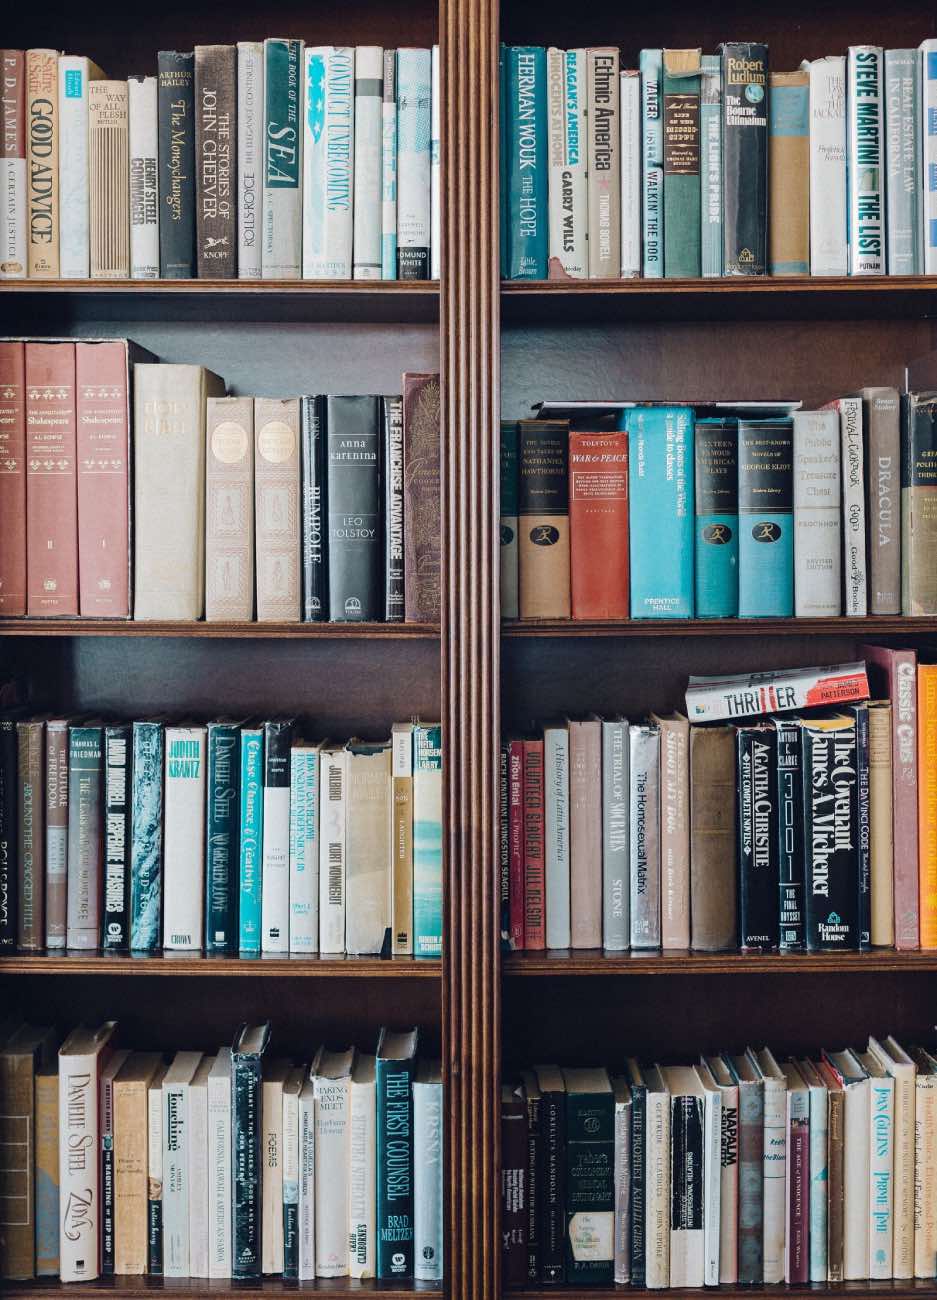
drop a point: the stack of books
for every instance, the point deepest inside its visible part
(226, 1164)
(134, 488)
(734, 1169)
(222, 838)
(700, 164)
(266, 160)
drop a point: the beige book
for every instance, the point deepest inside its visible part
(199, 1169)
(657, 1181)
(362, 1167)
(925, 1164)
(789, 191)
(585, 833)
(42, 164)
(896, 1062)
(712, 839)
(674, 830)
(131, 1171)
(229, 510)
(881, 828)
(169, 489)
(271, 1248)
(367, 847)
(47, 1171)
(109, 179)
(401, 742)
(277, 508)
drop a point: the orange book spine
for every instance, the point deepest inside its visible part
(598, 524)
(927, 801)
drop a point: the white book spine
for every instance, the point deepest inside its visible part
(144, 172)
(184, 840)
(291, 1157)
(369, 87)
(929, 152)
(328, 162)
(903, 1246)
(657, 1190)
(198, 1179)
(622, 1191)
(219, 1168)
(154, 1152)
(435, 146)
(74, 172)
(414, 95)
(568, 212)
(333, 773)
(304, 850)
(775, 1179)
(631, 193)
(389, 168)
(307, 1183)
(881, 1176)
(616, 893)
(427, 1182)
(79, 1168)
(13, 199)
(556, 829)
(850, 423)
(819, 1182)
(925, 1167)
(817, 515)
(175, 1180)
(275, 870)
(856, 1182)
(712, 1184)
(362, 1179)
(332, 1159)
(644, 835)
(866, 161)
(250, 135)
(828, 242)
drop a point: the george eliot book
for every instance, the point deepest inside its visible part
(766, 543)
(717, 518)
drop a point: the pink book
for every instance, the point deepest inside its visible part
(51, 495)
(12, 479)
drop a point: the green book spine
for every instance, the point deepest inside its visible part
(527, 217)
(394, 1081)
(682, 229)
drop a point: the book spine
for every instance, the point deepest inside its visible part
(328, 162)
(304, 851)
(508, 523)
(85, 840)
(361, 1179)
(307, 1184)
(332, 1140)
(585, 833)
(428, 1229)
(661, 492)
(863, 837)
(924, 1168)
(835, 1174)
(766, 542)
(176, 125)
(389, 167)
(928, 152)
(79, 1167)
(229, 509)
(534, 1183)
(717, 517)
(574, 258)
(652, 135)
(559, 188)
(828, 205)
(598, 512)
(881, 1176)
(220, 1173)
(184, 840)
(115, 920)
(899, 670)
(819, 1182)
(369, 89)
(818, 515)
(798, 1158)
(154, 1204)
(757, 839)
(712, 1181)
(74, 78)
(108, 1215)
(745, 158)
(644, 836)
(686, 1192)
(881, 822)
(543, 520)
(216, 160)
(903, 192)
(394, 1081)
(333, 781)
(903, 1207)
(918, 528)
(12, 472)
(775, 1176)
(47, 1173)
(616, 849)
(881, 418)
(790, 812)
(104, 468)
(56, 817)
(856, 1180)
(275, 852)
(832, 885)
(271, 1176)
(603, 164)
(556, 838)
(250, 132)
(427, 841)
(143, 146)
(402, 840)
(658, 1205)
(17, 1091)
(13, 208)
(146, 837)
(927, 803)
(682, 226)
(281, 249)
(590, 1188)
(109, 153)
(789, 173)
(221, 838)
(711, 165)
(638, 1198)
(354, 510)
(675, 833)
(51, 493)
(421, 498)
(751, 1183)
(504, 850)
(393, 489)
(315, 562)
(866, 161)
(729, 1185)
(526, 163)
(513, 1192)
(43, 149)
(245, 1158)
(850, 421)
(290, 1185)
(713, 885)
(553, 1200)
(622, 1192)
(435, 173)
(31, 883)
(414, 120)
(534, 890)
(277, 522)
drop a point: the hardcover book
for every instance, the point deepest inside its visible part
(275, 1074)
(85, 835)
(331, 1073)
(543, 519)
(903, 170)
(556, 833)
(598, 524)
(82, 1057)
(222, 846)
(229, 509)
(47, 1170)
(131, 1176)
(928, 52)
(831, 833)
(525, 166)
(75, 75)
(590, 1177)
(644, 767)
(31, 883)
(757, 838)
(51, 495)
(215, 160)
(292, 1088)
(687, 1119)
(275, 836)
(250, 146)
(13, 221)
(369, 91)
(43, 131)
(682, 226)
(630, 195)
(818, 515)
(393, 508)
(427, 840)
(118, 759)
(789, 173)
(12, 474)
(865, 156)
(751, 1144)
(23, 1054)
(918, 492)
(745, 157)
(143, 136)
(711, 113)
(674, 830)
(712, 839)
(534, 891)
(402, 838)
(568, 211)
(652, 155)
(252, 822)
(603, 163)
(927, 802)
(333, 774)
(354, 509)
(304, 848)
(368, 849)
(109, 158)
(328, 162)
(146, 837)
(828, 237)
(616, 834)
(717, 518)
(414, 124)
(176, 122)
(56, 822)
(277, 508)
(661, 504)
(395, 1070)
(766, 543)
(428, 1120)
(154, 1204)
(247, 1051)
(881, 420)
(281, 253)
(313, 448)
(389, 167)
(585, 833)
(106, 1125)
(184, 840)
(422, 500)
(790, 814)
(362, 1170)
(711, 699)
(854, 531)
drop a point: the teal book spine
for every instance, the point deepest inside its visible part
(427, 841)
(527, 216)
(766, 518)
(252, 827)
(221, 839)
(711, 165)
(652, 164)
(503, 116)
(682, 230)
(717, 518)
(394, 1131)
(661, 491)
(146, 837)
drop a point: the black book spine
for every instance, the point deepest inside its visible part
(686, 1163)
(861, 715)
(291, 1241)
(315, 562)
(638, 1191)
(9, 772)
(504, 850)
(513, 1192)
(745, 158)
(115, 923)
(551, 1193)
(154, 1237)
(176, 139)
(356, 589)
(393, 510)
(831, 835)
(535, 1176)
(790, 836)
(757, 838)
(222, 840)
(245, 1114)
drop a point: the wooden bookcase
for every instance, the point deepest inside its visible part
(498, 348)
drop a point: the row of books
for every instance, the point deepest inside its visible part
(742, 824)
(736, 1169)
(659, 511)
(225, 837)
(227, 1163)
(132, 487)
(264, 160)
(712, 164)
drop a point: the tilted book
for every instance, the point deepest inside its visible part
(229, 509)
(75, 75)
(144, 178)
(328, 162)
(184, 841)
(13, 220)
(711, 699)
(281, 250)
(216, 160)
(109, 157)
(369, 90)
(250, 154)
(247, 1051)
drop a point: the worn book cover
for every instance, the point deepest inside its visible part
(31, 882)
(712, 839)
(682, 225)
(745, 157)
(717, 518)
(143, 136)
(85, 835)
(918, 500)
(215, 160)
(422, 501)
(229, 510)
(27, 1050)
(13, 222)
(789, 173)
(51, 497)
(543, 519)
(603, 163)
(277, 508)
(43, 130)
(590, 1177)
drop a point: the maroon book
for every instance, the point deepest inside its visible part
(51, 493)
(799, 1204)
(535, 932)
(103, 444)
(516, 841)
(12, 479)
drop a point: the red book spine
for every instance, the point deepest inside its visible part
(516, 840)
(598, 524)
(799, 1255)
(12, 479)
(51, 493)
(535, 921)
(103, 440)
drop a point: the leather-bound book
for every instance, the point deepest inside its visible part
(12, 479)
(543, 518)
(51, 496)
(422, 499)
(276, 506)
(229, 510)
(598, 524)
(712, 839)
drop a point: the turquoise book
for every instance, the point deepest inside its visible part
(146, 837)
(660, 487)
(427, 840)
(525, 162)
(710, 110)
(394, 1069)
(221, 838)
(652, 164)
(252, 834)
(766, 518)
(682, 229)
(717, 518)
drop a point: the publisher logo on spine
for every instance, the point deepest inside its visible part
(544, 535)
(766, 531)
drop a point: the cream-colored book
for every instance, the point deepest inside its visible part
(362, 1189)
(331, 1072)
(925, 1164)
(229, 510)
(401, 741)
(219, 1166)
(177, 1083)
(109, 171)
(333, 783)
(43, 214)
(290, 1158)
(169, 489)
(881, 826)
(881, 1166)
(368, 847)
(271, 1249)
(277, 527)
(674, 830)
(307, 1181)
(895, 1060)
(657, 1181)
(154, 1148)
(76, 73)
(775, 1164)
(199, 1167)
(131, 1173)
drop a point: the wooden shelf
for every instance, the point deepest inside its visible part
(895, 1289)
(573, 962)
(758, 627)
(265, 965)
(241, 631)
(133, 1287)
